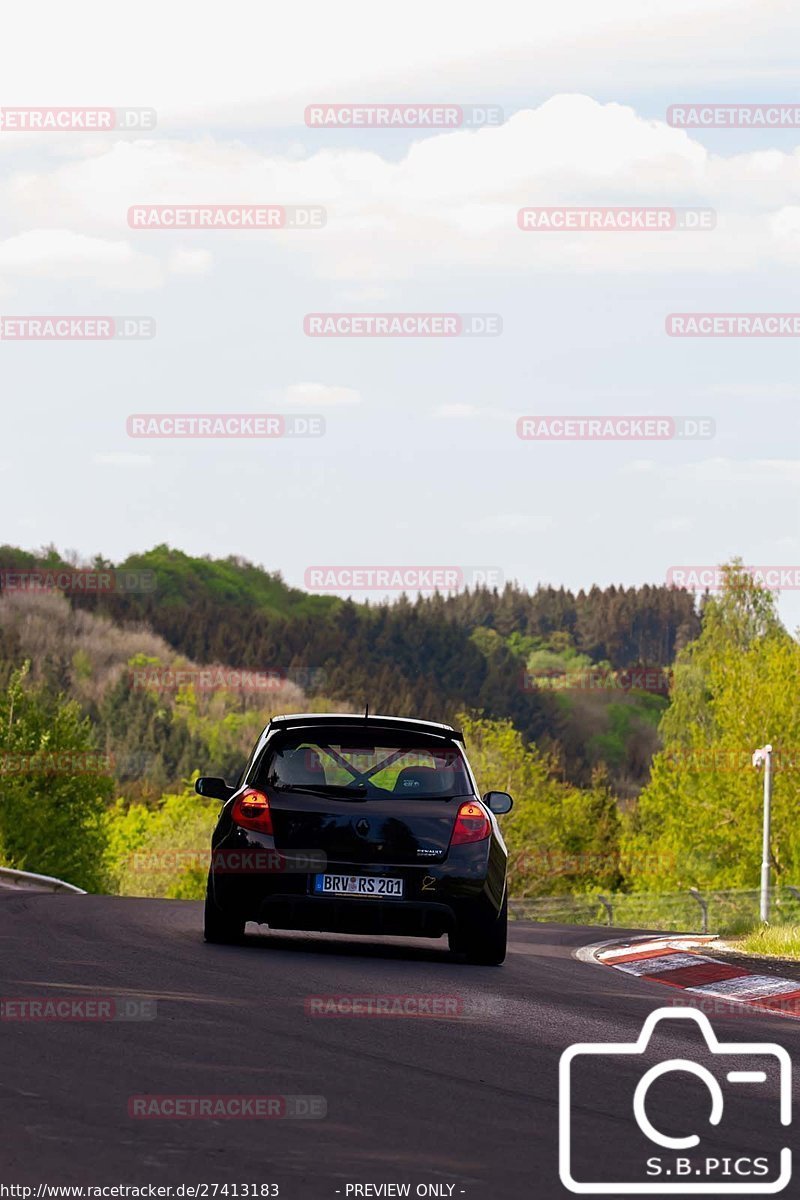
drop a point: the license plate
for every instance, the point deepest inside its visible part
(376, 886)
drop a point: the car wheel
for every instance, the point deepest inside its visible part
(485, 945)
(219, 928)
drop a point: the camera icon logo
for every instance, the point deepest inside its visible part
(652, 1160)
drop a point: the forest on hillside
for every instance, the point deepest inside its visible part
(618, 786)
(561, 666)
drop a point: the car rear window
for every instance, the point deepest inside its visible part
(385, 765)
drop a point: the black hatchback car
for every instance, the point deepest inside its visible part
(360, 824)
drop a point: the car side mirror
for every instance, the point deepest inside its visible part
(498, 802)
(213, 788)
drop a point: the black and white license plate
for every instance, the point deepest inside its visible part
(376, 886)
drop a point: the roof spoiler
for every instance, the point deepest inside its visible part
(408, 724)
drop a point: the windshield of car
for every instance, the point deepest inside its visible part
(364, 766)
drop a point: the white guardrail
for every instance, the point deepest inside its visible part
(22, 880)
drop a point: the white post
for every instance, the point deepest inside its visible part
(764, 755)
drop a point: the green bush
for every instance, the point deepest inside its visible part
(53, 786)
(161, 850)
(560, 838)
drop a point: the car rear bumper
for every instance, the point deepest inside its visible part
(467, 887)
(436, 899)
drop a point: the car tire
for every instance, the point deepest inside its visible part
(218, 928)
(486, 945)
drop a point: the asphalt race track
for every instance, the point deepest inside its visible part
(470, 1100)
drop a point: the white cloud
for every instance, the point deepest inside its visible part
(62, 254)
(454, 49)
(320, 395)
(639, 466)
(184, 261)
(674, 525)
(761, 471)
(452, 200)
(458, 411)
(369, 293)
(758, 391)
(123, 460)
(472, 412)
(511, 523)
(109, 263)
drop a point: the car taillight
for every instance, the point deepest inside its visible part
(251, 811)
(472, 825)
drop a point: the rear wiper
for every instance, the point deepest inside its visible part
(336, 791)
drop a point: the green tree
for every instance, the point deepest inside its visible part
(698, 821)
(163, 850)
(53, 786)
(560, 838)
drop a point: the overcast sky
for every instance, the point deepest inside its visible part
(420, 462)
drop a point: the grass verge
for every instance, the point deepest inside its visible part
(780, 941)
